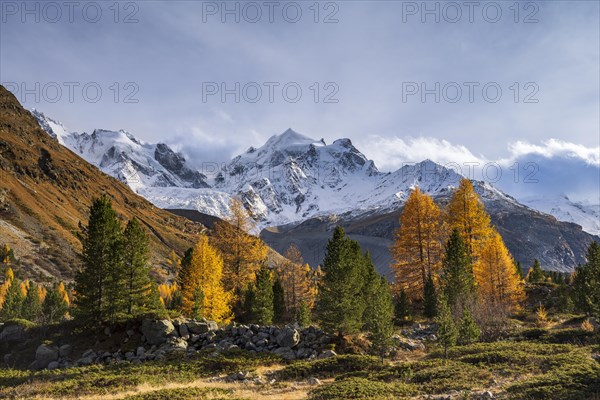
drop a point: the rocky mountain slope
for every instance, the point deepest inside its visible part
(45, 192)
(302, 187)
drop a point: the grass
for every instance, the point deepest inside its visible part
(184, 394)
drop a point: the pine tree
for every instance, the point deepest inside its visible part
(32, 305)
(430, 298)
(418, 247)
(184, 267)
(468, 331)
(498, 283)
(519, 270)
(198, 305)
(135, 248)
(447, 332)
(340, 301)
(54, 307)
(535, 274)
(13, 301)
(247, 309)
(586, 285)
(457, 275)
(279, 310)
(379, 317)
(295, 279)
(466, 213)
(402, 307)
(155, 303)
(303, 315)
(99, 284)
(205, 273)
(262, 307)
(242, 253)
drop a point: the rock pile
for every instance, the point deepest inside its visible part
(183, 337)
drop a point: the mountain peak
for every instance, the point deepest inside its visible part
(289, 138)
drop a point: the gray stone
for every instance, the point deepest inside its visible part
(250, 346)
(44, 355)
(314, 381)
(65, 350)
(12, 333)
(85, 361)
(140, 352)
(53, 365)
(327, 354)
(286, 353)
(157, 331)
(184, 331)
(288, 337)
(198, 327)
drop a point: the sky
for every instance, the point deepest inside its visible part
(404, 80)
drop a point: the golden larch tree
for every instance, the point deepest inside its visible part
(205, 274)
(295, 278)
(242, 252)
(466, 213)
(498, 282)
(418, 245)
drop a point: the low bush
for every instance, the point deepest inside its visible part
(363, 389)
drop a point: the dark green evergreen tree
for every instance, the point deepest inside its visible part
(262, 308)
(402, 307)
(536, 275)
(100, 284)
(379, 317)
(198, 308)
(13, 302)
(135, 256)
(341, 300)
(279, 311)
(430, 298)
(303, 315)
(586, 285)
(155, 304)
(468, 330)
(447, 332)
(519, 269)
(457, 274)
(32, 305)
(184, 270)
(247, 309)
(54, 307)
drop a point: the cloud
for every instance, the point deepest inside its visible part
(555, 148)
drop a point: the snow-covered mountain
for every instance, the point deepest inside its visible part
(561, 207)
(119, 154)
(289, 179)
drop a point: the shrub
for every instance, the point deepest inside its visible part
(360, 388)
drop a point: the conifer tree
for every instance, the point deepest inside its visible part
(13, 301)
(468, 330)
(457, 274)
(447, 332)
(156, 304)
(586, 284)
(379, 317)
(184, 267)
(242, 253)
(303, 316)
(32, 304)
(535, 274)
(198, 306)
(466, 213)
(135, 248)
(247, 309)
(99, 284)
(340, 301)
(205, 273)
(418, 247)
(498, 283)
(262, 307)
(519, 270)
(402, 307)
(295, 279)
(279, 310)
(54, 306)
(430, 300)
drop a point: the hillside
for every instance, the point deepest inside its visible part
(45, 192)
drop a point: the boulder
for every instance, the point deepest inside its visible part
(53, 365)
(12, 333)
(198, 327)
(44, 355)
(288, 337)
(314, 381)
(157, 331)
(65, 350)
(184, 331)
(286, 353)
